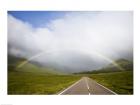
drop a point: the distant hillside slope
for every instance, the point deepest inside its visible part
(124, 64)
(13, 63)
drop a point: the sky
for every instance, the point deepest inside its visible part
(37, 18)
(71, 41)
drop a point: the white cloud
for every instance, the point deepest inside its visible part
(72, 42)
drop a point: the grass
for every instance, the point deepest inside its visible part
(41, 83)
(35, 83)
(119, 82)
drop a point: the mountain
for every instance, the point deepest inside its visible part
(124, 64)
(14, 62)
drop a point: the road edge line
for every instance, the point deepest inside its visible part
(69, 87)
(106, 88)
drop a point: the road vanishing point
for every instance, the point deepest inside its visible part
(87, 86)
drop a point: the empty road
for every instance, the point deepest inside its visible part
(87, 86)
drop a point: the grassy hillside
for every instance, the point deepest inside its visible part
(119, 82)
(124, 64)
(13, 63)
(33, 83)
(29, 67)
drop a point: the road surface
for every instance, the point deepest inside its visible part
(86, 86)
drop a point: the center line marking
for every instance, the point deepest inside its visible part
(87, 86)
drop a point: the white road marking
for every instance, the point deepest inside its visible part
(87, 85)
(69, 87)
(106, 88)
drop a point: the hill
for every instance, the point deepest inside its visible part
(14, 62)
(123, 63)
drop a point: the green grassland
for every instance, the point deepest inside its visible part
(33, 83)
(35, 79)
(119, 82)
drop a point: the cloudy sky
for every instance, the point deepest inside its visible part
(71, 41)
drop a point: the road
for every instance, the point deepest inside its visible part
(87, 86)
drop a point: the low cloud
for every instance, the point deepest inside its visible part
(78, 41)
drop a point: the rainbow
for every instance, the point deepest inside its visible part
(96, 53)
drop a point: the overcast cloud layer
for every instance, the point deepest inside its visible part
(78, 41)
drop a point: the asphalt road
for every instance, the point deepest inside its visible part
(87, 86)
